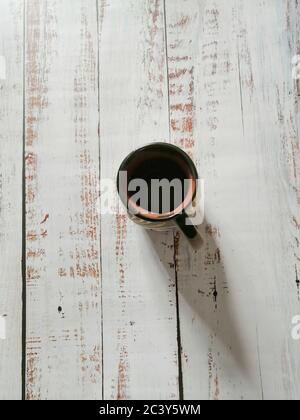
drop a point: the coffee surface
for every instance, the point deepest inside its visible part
(167, 197)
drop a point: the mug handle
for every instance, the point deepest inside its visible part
(190, 231)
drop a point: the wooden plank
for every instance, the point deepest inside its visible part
(219, 357)
(139, 302)
(64, 351)
(268, 39)
(240, 122)
(11, 139)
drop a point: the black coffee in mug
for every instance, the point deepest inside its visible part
(154, 167)
(157, 183)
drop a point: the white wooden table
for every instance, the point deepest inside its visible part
(99, 308)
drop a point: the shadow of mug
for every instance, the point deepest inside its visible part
(203, 285)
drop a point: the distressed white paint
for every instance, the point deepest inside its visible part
(218, 336)
(11, 122)
(231, 101)
(271, 142)
(64, 355)
(139, 307)
(238, 295)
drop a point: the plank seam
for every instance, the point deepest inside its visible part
(23, 362)
(180, 373)
(167, 69)
(100, 221)
(259, 365)
(241, 88)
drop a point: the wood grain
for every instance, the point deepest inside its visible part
(139, 300)
(238, 295)
(64, 344)
(11, 140)
(113, 311)
(269, 98)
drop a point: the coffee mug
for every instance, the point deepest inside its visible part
(158, 184)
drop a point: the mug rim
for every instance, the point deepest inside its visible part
(144, 214)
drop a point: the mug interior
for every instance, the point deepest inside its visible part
(158, 161)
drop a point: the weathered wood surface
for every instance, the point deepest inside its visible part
(233, 106)
(269, 107)
(11, 147)
(139, 300)
(63, 273)
(112, 311)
